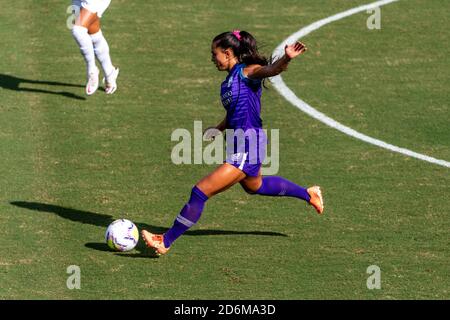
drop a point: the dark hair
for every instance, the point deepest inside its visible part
(244, 47)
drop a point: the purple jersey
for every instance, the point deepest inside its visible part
(241, 98)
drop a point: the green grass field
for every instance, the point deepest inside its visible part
(71, 164)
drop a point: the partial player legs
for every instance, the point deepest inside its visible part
(224, 177)
(188, 216)
(221, 179)
(101, 49)
(279, 187)
(92, 43)
(84, 41)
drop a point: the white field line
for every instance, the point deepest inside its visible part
(290, 96)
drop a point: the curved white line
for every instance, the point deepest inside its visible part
(290, 96)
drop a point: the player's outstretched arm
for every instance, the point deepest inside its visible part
(290, 52)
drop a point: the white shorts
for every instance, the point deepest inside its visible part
(94, 6)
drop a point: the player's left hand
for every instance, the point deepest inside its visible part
(295, 49)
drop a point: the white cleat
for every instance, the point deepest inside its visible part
(92, 82)
(111, 81)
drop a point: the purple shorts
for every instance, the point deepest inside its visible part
(241, 161)
(246, 150)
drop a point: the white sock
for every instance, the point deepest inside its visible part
(101, 50)
(87, 49)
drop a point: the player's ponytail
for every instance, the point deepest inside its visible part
(244, 47)
(248, 50)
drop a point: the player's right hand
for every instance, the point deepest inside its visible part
(211, 133)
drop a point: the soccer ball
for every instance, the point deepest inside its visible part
(122, 235)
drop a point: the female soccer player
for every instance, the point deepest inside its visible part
(92, 43)
(237, 53)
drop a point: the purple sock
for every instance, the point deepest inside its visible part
(279, 187)
(188, 216)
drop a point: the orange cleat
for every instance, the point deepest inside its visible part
(155, 241)
(316, 198)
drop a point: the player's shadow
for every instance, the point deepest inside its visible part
(103, 220)
(15, 83)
